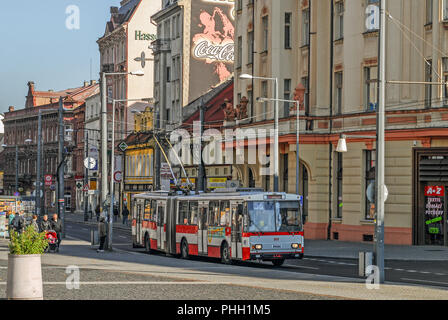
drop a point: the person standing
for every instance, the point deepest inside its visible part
(10, 221)
(19, 222)
(56, 225)
(34, 224)
(102, 233)
(125, 215)
(98, 212)
(45, 224)
(116, 213)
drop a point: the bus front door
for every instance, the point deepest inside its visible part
(161, 207)
(202, 228)
(138, 223)
(237, 228)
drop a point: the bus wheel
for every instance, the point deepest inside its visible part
(184, 250)
(147, 244)
(225, 254)
(278, 262)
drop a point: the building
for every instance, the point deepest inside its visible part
(193, 53)
(124, 49)
(21, 130)
(334, 57)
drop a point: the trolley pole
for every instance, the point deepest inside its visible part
(61, 168)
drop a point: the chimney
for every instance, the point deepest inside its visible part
(86, 83)
(31, 85)
(113, 10)
(51, 90)
(11, 109)
(92, 82)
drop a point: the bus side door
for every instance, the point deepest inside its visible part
(138, 222)
(202, 228)
(237, 228)
(161, 207)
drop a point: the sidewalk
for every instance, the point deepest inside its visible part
(350, 250)
(78, 217)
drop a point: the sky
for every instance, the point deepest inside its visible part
(36, 45)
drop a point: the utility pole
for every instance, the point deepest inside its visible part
(276, 139)
(61, 168)
(104, 130)
(112, 169)
(39, 159)
(201, 170)
(17, 167)
(380, 186)
(157, 152)
(86, 176)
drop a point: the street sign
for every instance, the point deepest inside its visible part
(48, 180)
(118, 176)
(123, 146)
(86, 188)
(79, 184)
(90, 163)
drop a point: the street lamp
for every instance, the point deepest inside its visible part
(260, 99)
(138, 73)
(112, 164)
(246, 76)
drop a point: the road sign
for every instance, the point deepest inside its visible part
(90, 163)
(123, 146)
(48, 180)
(118, 176)
(86, 188)
(79, 184)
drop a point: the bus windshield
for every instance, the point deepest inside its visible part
(274, 216)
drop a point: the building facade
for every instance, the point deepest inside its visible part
(330, 48)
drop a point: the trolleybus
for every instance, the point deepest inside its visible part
(238, 224)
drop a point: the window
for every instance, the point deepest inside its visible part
(168, 74)
(370, 157)
(240, 52)
(183, 212)
(239, 4)
(250, 46)
(428, 87)
(306, 27)
(370, 88)
(224, 218)
(213, 211)
(193, 213)
(339, 166)
(265, 23)
(338, 92)
(429, 4)
(288, 30)
(339, 21)
(445, 79)
(285, 172)
(286, 96)
(445, 10)
(307, 96)
(264, 93)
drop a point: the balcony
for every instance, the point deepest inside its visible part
(160, 45)
(108, 67)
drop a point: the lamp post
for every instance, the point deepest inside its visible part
(112, 166)
(104, 97)
(276, 116)
(297, 134)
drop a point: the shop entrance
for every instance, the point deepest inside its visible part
(431, 197)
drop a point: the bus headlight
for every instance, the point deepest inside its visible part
(257, 247)
(295, 245)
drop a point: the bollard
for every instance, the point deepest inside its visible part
(365, 260)
(94, 237)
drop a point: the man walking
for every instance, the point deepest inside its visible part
(125, 215)
(102, 233)
(56, 225)
(18, 222)
(45, 224)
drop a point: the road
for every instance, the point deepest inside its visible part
(424, 273)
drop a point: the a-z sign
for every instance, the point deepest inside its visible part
(434, 191)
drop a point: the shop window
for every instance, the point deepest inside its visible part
(370, 158)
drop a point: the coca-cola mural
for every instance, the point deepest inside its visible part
(212, 44)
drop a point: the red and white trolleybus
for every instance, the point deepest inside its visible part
(238, 224)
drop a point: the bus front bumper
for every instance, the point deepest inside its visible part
(275, 256)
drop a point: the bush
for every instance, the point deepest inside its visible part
(28, 242)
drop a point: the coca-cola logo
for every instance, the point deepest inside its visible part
(221, 52)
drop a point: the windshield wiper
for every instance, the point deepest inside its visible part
(252, 223)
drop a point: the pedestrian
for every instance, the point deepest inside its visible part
(45, 224)
(19, 222)
(10, 220)
(125, 215)
(98, 212)
(102, 233)
(34, 223)
(56, 225)
(116, 213)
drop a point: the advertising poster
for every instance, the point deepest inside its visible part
(212, 44)
(434, 211)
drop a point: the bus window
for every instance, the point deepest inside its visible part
(183, 212)
(193, 212)
(224, 218)
(153, 216)
(203, 218)
(147, 210)
(290, 217)
(213, 209)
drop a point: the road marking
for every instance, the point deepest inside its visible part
(427, 281)
(123, 237)
(137, 283)
(300, 267)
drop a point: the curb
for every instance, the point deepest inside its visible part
(385, 259)
(96, 224)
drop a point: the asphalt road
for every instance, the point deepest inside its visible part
(424, 273)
